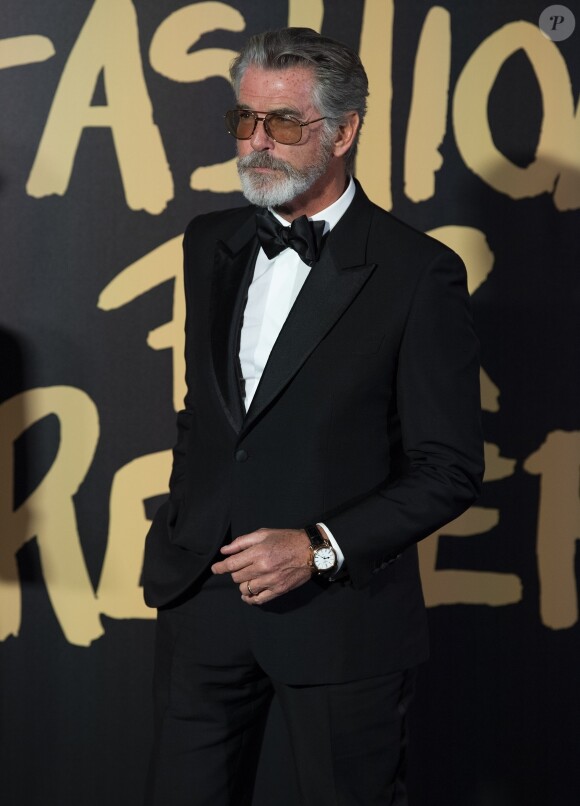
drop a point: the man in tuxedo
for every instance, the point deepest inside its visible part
(331, 422)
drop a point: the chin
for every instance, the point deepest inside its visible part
(263, 192)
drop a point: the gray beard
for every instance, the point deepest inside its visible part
(276, 191)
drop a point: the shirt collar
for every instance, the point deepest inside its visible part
(332, 214)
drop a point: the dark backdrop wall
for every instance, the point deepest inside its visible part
(111, 139)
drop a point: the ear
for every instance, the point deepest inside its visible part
(346, 134)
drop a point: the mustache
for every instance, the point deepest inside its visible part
(261, 159)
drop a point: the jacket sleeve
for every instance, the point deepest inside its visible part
(185, 416)
(438, 403)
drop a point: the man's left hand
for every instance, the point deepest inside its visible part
(272, 561)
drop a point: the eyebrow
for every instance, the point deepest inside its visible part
(283, 110)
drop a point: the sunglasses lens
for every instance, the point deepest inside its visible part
(240, 123)
(284, 130)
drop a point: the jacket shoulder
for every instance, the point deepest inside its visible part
(219, 223)
(389, 236)
(408, 238)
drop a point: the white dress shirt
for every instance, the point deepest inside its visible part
(271, 295)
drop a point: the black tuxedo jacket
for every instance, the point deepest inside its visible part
(366, 418)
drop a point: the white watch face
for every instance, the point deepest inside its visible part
(324, 558)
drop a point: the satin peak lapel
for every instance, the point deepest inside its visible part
(326, 294)
(234, 261)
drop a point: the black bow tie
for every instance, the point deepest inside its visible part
(304, 236)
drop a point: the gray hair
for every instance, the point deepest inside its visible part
(340, 81)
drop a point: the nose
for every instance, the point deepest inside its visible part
(260, 140)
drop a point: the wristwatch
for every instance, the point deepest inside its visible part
(323, 557)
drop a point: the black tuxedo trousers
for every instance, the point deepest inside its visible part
(366, 418)
(348, 740)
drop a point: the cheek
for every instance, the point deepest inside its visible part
(305, 157)
(243, 147)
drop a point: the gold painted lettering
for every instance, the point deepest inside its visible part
(306, 14)
(451, 586)
(162, 264)
(119, 592)
(428, 115)
(108, 42)
(373, 166)
(567, 193)
(49, 513)
(18, 50)
(170, 56)
(557, 462)
(172, 42)
(557, 152)
(471, 245)
(470, 587)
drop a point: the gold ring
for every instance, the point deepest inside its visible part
(250, 591)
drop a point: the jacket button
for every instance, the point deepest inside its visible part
(241, 455)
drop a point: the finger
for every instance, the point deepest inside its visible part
(249, 600)
(245, 574)
(264, 589)
(259, 581)
(259, 599)
(231, 564)
(252, 587)
(243, 542)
